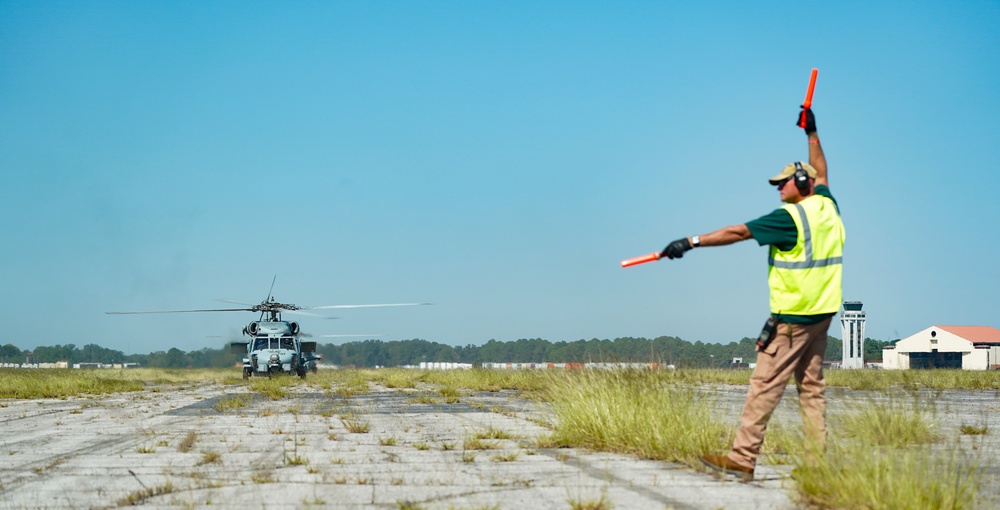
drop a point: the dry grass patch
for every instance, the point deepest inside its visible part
(940, 379)
(61, 383)
(274, 388)
(634, 411)
(231, 403)
(476, 443)
(450, 395)
(426, 399)
(505, 457)
(494, 433)
(140, 496)
(487, 380)
(355, 425)
(188, 442)
(210, 458)
(296, 460)
(889, 423)
(973, 430)
(590, 504)
(854, 474)
(882, 457)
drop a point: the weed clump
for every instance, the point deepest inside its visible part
(188, 442)
(355, 425)
(889, 423)
(854, 474)
(633, 411)
(883, 457)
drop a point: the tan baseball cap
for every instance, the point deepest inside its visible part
(789, 171)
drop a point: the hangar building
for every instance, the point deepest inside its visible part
(965, 347)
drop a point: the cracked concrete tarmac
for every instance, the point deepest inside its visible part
(223, 446)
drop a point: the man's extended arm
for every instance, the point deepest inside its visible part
(723, 236)
(726, 235)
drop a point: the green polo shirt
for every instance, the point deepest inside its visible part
(778, 229)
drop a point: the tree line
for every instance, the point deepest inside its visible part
(371, 353)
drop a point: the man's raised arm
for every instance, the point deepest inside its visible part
(816, 157)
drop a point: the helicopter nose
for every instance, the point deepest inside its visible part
(274, 358)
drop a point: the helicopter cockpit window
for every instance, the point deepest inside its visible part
(286, 343)
(260, 343)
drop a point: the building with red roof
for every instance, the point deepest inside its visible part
(965, 347)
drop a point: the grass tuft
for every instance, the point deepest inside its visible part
(475, 443)
(854, 474)
(274, 388)
(296, 460)
(140, 496)
(495, 433)
(634, 412)
(889, 423)
(505, 457)
(210, 458)
(188, 442)
(355, 425)
(231, 403)
(973, 430)
(590, 504)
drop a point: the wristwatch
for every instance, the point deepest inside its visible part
(696, 241)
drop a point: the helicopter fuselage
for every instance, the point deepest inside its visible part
(273, 348)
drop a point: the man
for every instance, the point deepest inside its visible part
(806, 239)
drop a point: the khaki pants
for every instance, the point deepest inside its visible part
(795, 350)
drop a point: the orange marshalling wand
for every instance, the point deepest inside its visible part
(641, 260)
(809, 97)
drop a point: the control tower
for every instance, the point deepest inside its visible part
(852, 327)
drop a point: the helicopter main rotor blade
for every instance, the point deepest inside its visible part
(230, 301)
(310, 335)
(299, 312)
(327, 307)
(183, 311)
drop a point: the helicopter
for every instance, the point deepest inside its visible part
(273, 346)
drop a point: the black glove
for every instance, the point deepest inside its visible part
(676, 249)
(810, 126)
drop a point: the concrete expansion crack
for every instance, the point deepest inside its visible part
(608, 476)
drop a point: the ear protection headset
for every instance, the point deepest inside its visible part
(801, 178)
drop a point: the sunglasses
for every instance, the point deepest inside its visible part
(781, 184)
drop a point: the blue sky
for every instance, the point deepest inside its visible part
(497, 159)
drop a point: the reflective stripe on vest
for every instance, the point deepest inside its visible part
(809, 261)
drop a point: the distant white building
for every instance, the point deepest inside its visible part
(965, 347)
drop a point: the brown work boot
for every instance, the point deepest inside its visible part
(722, 464)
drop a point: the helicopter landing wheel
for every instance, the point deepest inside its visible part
(246, 375)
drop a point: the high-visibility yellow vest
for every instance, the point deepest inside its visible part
(808, 279)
